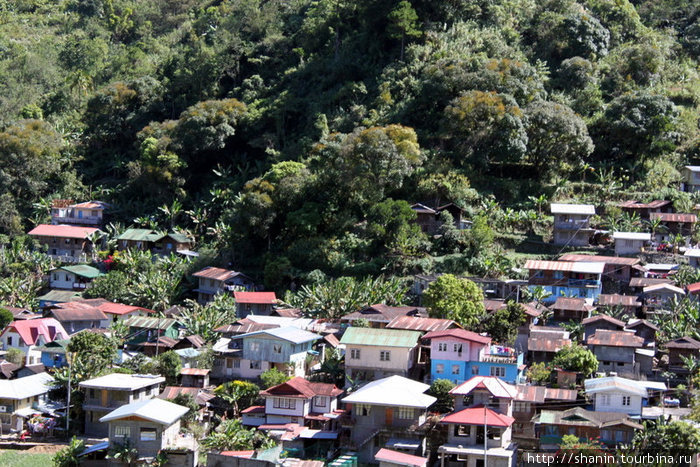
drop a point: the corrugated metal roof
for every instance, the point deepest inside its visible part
(393, 391)
(64, 231)
(265, 298)
(400, 458)
(496, 386)
(657, 203)
(646, 281)
(600, 259)
(479, 416)
(380, 337)
(692, 252)
(607, 318)
(618, 300)
(558, 208)
(82, 270)
(461, 334)
(78, 314)
(155, 410)
(218, 274)
(615, 339)
(673, 217)
(59, 296)
(195, 371)
(415, 323)
(571, 304)
(614, 384)
(669, 287)
(683, 343)
(560, 394)
(545, 344)
(289, 333)
(567, 266)
(533, 394)
(122, 381)
(383, 313)
(149, 322)
(24, 388)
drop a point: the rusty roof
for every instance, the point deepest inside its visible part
(201, 396)
(572, 304)
(560, 394)
(657, 203)
(218, 274)
(416, 323)
(600, 259)
(195, 371)
(494, 304)
(546, 344)
(693, 288)
(461, 334)
(288, 312)
(610, 338)
(673, 217)
(618, 300)
(300, 387)
(530, 393)
(683, 343)
(603, 317)
(263, 298)
(244, 326)
(384, 313)
(635, 323)
(647, 281)
(78, 314)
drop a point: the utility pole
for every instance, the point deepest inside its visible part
(486, 438)
(68, 360)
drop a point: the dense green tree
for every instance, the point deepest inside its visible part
(93, 352)
(403, 23)
(273, 377)
(240, 394)
(576, 358)
(6, 317)
(502, 325)
(68, 456)
(168, 364)
(440, 389)
(232, 435)
(460, 300)
(667, 438)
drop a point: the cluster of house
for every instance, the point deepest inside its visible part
(383, 413)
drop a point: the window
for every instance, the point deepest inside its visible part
(629, 243)
(442, 347)
(455, 369)
(277, 348)
(439, 368)
(457, 348)
(284, 403)
(499, 371)
(558, 274)
(122, 431)
(463, 431)
(362, 410)
(605, 399)
(520, 406)
(55, 276)
(229, 363)
(255, 346)
(605, 434)
(254, 365)
(236, 363)
(147, 434)
(319, 401)
(494, 433)
(475, 370)
(354, 354)
(9, 341)
(538, 274)
(405, 413)
(384, 356)
(626, 400)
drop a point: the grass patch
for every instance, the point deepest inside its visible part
(24, 459)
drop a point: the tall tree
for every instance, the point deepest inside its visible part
(403, 23)
(460, 300)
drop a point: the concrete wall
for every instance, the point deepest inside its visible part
(401, 358)
(613, 403)
(164, 436)
(628, 247)
(457, 349)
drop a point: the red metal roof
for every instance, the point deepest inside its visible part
(254, 409)
(693, 288)
(243, 454)
(30, 330)
(64, 231)
(266, 298)
(218, 274)
(657, 203)
(673, 217)
(479, 416)
(461, 334)
(396, 457)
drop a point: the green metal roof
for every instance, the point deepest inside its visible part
(178, 237)
(380, 337)
(82, 270)
(60, 296)
(150, 323)
(140, 235)
(57, 346)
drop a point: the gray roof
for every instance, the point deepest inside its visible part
(289, 333)
(122, 381)
(154, 410)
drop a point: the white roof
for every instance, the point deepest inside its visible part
(632, 236)
(660, 266)
(154, 410)
(572, 209)
(494, 385)
(289, 333)
(645, 352)
(23, 388)
(669, 287)
(121, 381)
(394, 391)
(614, 384)
(694, 252)
(588, 267)
(282, 321)
(693, 168)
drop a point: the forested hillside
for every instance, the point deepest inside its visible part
(291, 136)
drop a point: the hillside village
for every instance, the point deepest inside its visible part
(277, 233)
(597, 349)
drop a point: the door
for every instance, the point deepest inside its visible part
(480, 463)
(389, 415)
(480, 435)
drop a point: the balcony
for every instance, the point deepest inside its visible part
(583, 283)
(85, 220)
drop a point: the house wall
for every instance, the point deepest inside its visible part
(60, 279)
(59, 246)
(378, 417)
(229, 368)
(628, 247)
(614, 403)
(457, 349)
(613, 354)
(76, 326)
(302, 407)
(590, 329)
(500, 437)
(164, 435)
(53, 359)
(401, 358)
(476, 460)
(99, 402)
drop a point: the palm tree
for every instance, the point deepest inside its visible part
(539, 202)
(171, 212)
